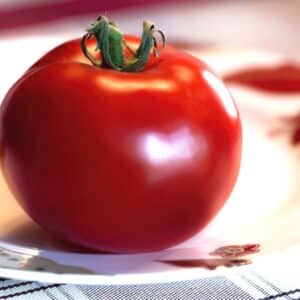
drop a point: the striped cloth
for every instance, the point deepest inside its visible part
(245, 284)
(214, 288)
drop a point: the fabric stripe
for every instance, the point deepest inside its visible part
(284, 294)
(30, 291)
(247, 285)
(215, 288)
(267, 282)
(50, 294)
(74, 291)
(253, 284)
(262, 282)
(68, 296)
(10, 283)
(20, 289)
(15, 285)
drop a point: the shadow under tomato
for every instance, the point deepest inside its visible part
(29, 234)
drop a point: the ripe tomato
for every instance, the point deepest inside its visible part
(120, 161)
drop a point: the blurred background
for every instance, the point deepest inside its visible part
(267, 23)
(28, 28)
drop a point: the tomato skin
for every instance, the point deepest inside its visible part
(120, 162)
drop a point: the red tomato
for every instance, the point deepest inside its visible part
(117, 161)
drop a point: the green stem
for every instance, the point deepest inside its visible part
(111, 43)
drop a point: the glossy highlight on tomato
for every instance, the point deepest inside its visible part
(116, 161)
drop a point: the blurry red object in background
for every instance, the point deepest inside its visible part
(16, 13)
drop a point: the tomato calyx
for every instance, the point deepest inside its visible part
(112, 45)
